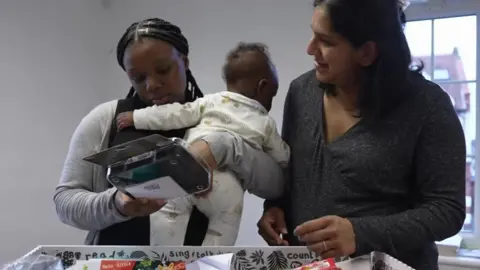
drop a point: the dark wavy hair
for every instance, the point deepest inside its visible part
(392, 75)
(156, 28)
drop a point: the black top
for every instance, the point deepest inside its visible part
(136, 231)
(399, 180)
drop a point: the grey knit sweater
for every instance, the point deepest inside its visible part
(400, 181)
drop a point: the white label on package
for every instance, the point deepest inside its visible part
(159, 188)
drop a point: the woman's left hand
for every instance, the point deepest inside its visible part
(328, 237)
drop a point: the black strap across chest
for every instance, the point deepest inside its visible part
(136, 232)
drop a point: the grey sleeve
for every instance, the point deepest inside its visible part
(260, 174)
(76, 203)
(439, 180)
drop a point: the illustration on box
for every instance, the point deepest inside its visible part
(128, 265)
(217, 262)
(267, 258)
(244, 258)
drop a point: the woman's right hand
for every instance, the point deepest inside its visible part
(272, 225)
(136, 207)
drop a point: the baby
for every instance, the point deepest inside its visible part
(242, 110)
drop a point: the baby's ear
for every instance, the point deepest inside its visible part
(262, 84)
(186, 61)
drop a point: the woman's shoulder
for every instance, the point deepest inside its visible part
(102, 112)
(304, 87)
(428, 96)
(423, 101)
(305, 79)
(98, 120)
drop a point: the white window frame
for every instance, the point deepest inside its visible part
(436, 9)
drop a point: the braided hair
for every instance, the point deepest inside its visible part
(159, 29)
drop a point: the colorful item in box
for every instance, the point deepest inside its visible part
(328, 264)
(136, 265)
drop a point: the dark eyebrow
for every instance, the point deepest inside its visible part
(158, 61)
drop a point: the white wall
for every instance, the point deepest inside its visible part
(213, 27)
(58, 61)
(51, 64)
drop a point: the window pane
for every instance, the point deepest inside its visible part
(455, 49)
(464, 100)
(419, 37)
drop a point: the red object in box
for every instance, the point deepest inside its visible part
(117, 265)
(328, 264)
(131, 265)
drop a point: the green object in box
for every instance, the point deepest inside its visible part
(153, 166)
(146, 173)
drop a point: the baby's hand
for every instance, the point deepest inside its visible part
(124, 120)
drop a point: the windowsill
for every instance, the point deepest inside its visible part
(459, 261)
(452, 255)
(462, 245)
(471, 242)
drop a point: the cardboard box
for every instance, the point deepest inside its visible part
(246, 258)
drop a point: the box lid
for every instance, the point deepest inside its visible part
(130, 149)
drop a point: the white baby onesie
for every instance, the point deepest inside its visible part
(223, 111)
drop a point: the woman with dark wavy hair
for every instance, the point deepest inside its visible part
(377, 151)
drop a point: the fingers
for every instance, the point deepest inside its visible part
(120, 117)
(160, 203)
(280, 226)
(121, 123)
(318, 236)
(285, 243)
(328, 236)
(276, 241)
(142, 207)
(150, 206)
(324, 248)
(329, 254)
(268, 233)
(272, 239)
(125, 198)
(271, 226)
(123, 120)
(314, 225)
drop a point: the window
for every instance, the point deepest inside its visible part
(441, 74)
(426, 75)
(449, 57)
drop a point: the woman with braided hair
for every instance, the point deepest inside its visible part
(154, 54)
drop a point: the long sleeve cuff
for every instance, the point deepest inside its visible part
(139, 119)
